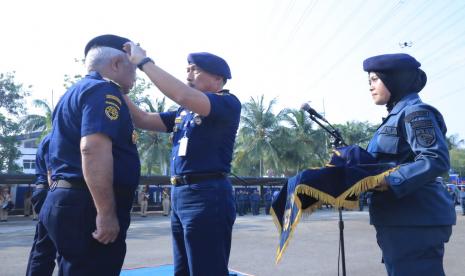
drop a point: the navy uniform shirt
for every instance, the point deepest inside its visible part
(412, 137)
(42, 161)
(210, 138)
(93, 105)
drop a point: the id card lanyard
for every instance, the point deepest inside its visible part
(182, 149)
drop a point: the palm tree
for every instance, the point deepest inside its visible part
(154, 147)
(307, 147)
(454, 142)
(259, 127)
(37, 122)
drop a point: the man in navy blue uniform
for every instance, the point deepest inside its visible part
(43, 252)
(267, 198)
(204, 130)
(95, 165)
(255, 203)
(411, 212)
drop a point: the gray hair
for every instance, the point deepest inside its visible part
(98, 57)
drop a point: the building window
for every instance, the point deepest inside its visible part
(30, 144)
(29, 164)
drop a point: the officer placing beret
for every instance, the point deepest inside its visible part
(204, 130)
(412, 213)
(94, 164)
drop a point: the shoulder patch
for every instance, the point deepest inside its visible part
(389, 130)
(421, 124)
(112, 112)
(425, 136)
(413, 115)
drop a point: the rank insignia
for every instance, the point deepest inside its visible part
(135, 137)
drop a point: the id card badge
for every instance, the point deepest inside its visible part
(182, 146)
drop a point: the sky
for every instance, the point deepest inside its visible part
(293, 50)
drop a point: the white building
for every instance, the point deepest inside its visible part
(28, 148)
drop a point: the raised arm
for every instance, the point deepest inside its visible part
(191, 98)
(143, 119)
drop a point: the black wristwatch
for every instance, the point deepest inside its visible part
(144, 61)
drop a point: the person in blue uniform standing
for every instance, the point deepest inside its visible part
(95, 165)
(204, 130)
(255, 203)
(43, 252)
(267, 199)
(412, 214)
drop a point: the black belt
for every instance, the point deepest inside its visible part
(195, 178)
(80, 184)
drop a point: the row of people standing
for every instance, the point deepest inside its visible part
(250, 201)
(143, 197)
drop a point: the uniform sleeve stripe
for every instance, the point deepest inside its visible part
(113, 104)
(112, 97)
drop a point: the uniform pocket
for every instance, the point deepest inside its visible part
(387, 144)
(70, 229)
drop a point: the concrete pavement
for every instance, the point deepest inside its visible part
(312, 251)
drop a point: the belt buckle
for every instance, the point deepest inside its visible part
(173, 180)
(54, 185)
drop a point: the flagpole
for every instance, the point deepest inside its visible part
(341, 242)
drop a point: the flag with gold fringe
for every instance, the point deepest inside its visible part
(350, 172)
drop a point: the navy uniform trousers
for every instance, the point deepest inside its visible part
(202, 212)
(43, 252)
(413, 250)
(68, 215)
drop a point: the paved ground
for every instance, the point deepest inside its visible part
(312, 251)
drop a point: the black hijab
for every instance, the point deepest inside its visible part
(401, 83)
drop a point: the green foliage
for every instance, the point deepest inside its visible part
(11, 105)
(357, 133)
(154, 147)
(259, 127)
(11, 94)
(38, 122)
(457, 160)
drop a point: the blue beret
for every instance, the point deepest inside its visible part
(112, 41)
(210, 63)
(390, 62)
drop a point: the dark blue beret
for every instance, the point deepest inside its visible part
(210, 63)
(390, 62)
(108, 40)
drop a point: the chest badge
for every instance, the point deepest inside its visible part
(135, 137)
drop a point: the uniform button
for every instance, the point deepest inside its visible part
(174, 158)
(396, 180)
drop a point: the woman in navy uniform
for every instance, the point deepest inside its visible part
(95, 165)
(412, 214)
(204, 130)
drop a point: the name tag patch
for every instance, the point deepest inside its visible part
(389, 130)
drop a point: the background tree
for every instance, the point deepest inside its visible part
(453, 141)
(357, 133)
(12, 105)
(39, 122)
(154, 147)
(301, 145)
(259, 127)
